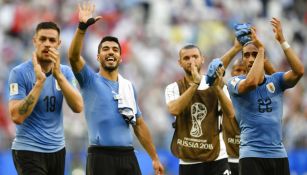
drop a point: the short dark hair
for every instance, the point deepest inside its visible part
(189, 46)
(245, 45)
(109, 38)
(47, 25)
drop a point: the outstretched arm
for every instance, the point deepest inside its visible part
(297, 68)
(142, 133)
(74, 53)
(231, 53)
(21, 109)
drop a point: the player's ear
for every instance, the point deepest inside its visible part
(59, 44)
(203, 59)
(34, 40)
(179, 62)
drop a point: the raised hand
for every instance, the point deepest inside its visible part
(219, 82)
(55, 57)
(40, 75)
(277, 29)
(237, 45)
(86, 11)
(196, 77)
(255, 39)
(159, 170)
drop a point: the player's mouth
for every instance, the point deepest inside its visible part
(110, 59)
(250, 66)
(45, 52)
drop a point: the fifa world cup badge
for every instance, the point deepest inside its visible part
(13, 88)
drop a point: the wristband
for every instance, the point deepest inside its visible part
(285, 45)
(84, 26)
(197, 83)
(193, 83)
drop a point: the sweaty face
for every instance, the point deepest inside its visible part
(249, 55)
(109, 56)
(43, 40)
(189, 55)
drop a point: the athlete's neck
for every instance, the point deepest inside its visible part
(110, 75)
(189, 78)
(46, 66)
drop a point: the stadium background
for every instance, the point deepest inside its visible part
(151, 32)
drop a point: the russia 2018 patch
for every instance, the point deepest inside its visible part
(13, 89)
(234, 81)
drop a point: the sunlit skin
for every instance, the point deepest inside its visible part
(43, 40)
(109, 56)
(187, 56)
(249, 55)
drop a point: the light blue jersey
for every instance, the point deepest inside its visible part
(43, 130)
(259, 114)
(106, 126)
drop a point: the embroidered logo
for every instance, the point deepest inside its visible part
(270, 87)
(198, 113)
(234, 81)
(13, 88)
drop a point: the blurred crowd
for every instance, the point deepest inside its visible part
(151, 33)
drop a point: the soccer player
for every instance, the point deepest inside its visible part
(197, 140)
(257, 99)
(111, 107)
(37, 88)
(231, 130)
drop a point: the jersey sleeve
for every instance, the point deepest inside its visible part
(85, 76)
(17, 86)
(171, 92)
(70, 76)
(279, 78)
(233, 85)
(138, 112)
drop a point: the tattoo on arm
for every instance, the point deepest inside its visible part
(27, 103)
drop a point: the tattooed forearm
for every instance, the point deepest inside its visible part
(25, 106)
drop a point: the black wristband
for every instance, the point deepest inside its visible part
(192, 83)
(84, 26)
(196, 83)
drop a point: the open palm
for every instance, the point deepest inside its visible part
(40, 75)
(86, 10)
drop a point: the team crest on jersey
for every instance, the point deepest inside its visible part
(57, 86)
(74, 82)
(270, 87)
(234, 81)
(13, 88)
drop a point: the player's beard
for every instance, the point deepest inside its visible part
(44, 58)
(110, 68)
(189, 72)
